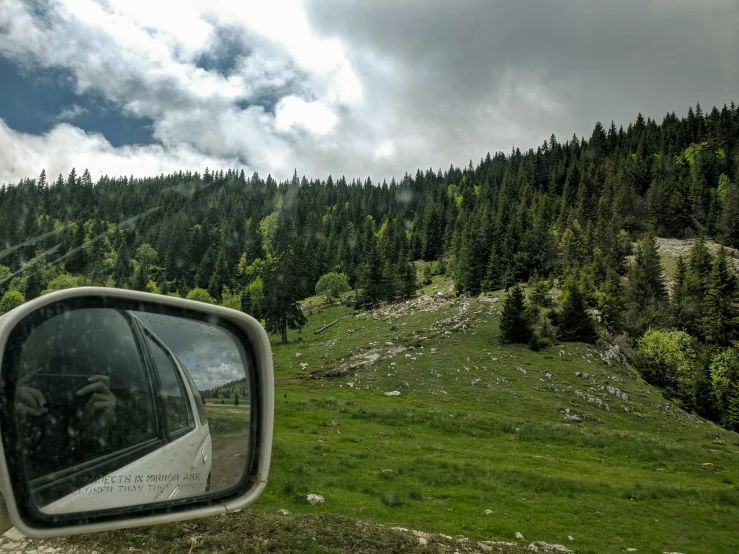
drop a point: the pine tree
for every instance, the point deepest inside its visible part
(494, 273)
(720, 322)
(466, 279)
(122, 269)
(146, 258)
(611, 300)
(574, 322)
(407, 276)
(645, 277)
(729, 221)
(371, 278)
(515, 324)
(679, 293)
(700, 262)
(206, 267)
(218, 277)
(282, 291)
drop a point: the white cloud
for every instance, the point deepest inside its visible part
(141, 55)
(65, 147)
(360, 88)
(385, 150)
(207, 377)
(292, 112)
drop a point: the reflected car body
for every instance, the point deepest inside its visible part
(176, 463)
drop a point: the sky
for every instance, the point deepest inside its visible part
(340, 87)
(210, 353)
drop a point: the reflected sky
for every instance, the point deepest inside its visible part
(210, 353)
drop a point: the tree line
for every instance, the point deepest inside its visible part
(564, 212)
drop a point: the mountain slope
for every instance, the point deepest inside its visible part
(483, 442)
(479, 426)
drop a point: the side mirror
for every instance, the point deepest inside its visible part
(104, 414)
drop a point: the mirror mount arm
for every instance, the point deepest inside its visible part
(5, 522)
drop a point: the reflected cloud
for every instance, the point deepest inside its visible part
(208, 352)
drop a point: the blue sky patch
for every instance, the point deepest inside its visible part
(35, 101)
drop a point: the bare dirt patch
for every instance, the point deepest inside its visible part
(229, 460)
(257, 532)
(681, 247)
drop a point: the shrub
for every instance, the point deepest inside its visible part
(332, 285)
(201, 295)
(668, 360)
(11, 299)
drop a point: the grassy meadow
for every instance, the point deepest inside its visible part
(479, 426)
(483, 442)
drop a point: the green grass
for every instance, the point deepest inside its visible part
(480, 426)
(227, 419)
(620, 479)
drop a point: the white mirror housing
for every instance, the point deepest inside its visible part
(14, 489)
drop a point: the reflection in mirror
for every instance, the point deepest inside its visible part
(111, 409)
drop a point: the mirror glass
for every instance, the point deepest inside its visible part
(119, 408)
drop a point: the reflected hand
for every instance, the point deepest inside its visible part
(100, 410)
(29, 401)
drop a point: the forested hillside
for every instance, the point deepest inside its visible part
(563, 215)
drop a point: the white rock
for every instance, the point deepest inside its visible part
(570, 538)
(422, 541)
(541, 546)
(519, 536)
(488, 512)
(298, 354)
(393, 393)
(314, 499)
(14, 535)
(283, 511)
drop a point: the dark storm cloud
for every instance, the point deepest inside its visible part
(543, 67)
